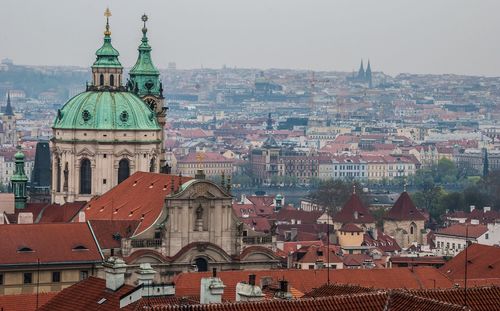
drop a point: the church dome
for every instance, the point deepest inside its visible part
(106, 110)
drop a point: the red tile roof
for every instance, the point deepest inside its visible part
(483, 265)
(404, 209)
(85, 295)
(463, 230)
(354, 211)
(305, 217)
(313, 254)
(188, 284)
(60, 213)
(110, 232)
(374, 301)
(350, 227)
(355, 260)
(383, 242)
(478, 298)
(28, 243)
(140, 197)
(338, 289)
(24, 302)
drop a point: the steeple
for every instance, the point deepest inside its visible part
(361, 71)
(8, 108)
(145, 77)
(19, 180)
(107, 69)
(368, 74)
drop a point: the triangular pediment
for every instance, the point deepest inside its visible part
(201, 189)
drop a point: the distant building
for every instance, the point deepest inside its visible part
(8, 134)
(363, 76)
(213, 164)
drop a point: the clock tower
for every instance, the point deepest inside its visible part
(145, 82)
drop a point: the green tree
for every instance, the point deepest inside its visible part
(332, 194)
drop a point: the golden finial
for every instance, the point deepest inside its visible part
(107, 13)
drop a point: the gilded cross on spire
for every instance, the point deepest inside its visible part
(107, 13)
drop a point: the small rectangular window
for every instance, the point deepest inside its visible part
(84, 274)
(104, 181)
(1, 278)
(56, 277)
(28, 278)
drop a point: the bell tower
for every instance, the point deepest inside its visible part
(107, 70)
(19, 181)
(9, 124)
(145, 82)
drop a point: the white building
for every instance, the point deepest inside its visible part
(452, 240)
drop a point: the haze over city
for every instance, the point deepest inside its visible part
(235, 155)
(446, 36)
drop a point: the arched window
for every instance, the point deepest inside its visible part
(112, 80)
(123, 170)
(101, 79)
(85, 177)
(58, 175)
(201, 264)
(152, 165)
(413, 228)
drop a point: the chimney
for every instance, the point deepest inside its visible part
(355, 215)
(283, 291)
(114, 270)
(25, 218)
(81, 216)
(146, 274)
(472, 208)
(211, 289)
(474, 222)
(294, 233)
(487, 209)
(2, 218)
(250, 291)
(243, 198)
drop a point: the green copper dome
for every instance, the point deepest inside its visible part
(106, 111)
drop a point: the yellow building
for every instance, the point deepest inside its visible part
(37, 257)
(350, 235)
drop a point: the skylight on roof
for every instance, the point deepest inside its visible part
(103, 300)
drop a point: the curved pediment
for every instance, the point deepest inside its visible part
(197, 188)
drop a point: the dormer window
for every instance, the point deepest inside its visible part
(25, 249)
(80, 248)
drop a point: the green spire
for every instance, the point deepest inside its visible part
(107, 55)
(145, 78)
(19, 180)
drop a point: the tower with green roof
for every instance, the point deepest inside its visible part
(103, 135)
(145, 82)
(19, 181)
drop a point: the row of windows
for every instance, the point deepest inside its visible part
(56, 277)
(205, 165)
(351, 174)
(350, 167)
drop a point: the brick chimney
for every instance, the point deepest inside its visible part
(211, 289)
(114, 269)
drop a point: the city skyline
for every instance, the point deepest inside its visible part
(323, 36)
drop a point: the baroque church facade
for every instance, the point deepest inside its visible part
(113, 129)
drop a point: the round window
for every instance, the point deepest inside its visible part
(86, 115)
(124, 116)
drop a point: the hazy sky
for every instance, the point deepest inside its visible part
(420, 36)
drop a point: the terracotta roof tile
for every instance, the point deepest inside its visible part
(27, 243)
(188, 284)
(404, 209)
(462, 230)
(24, 302)
(110, 232)
(483, 265)
(84, 296)
(354, 211)
(139, 197)
(478, 298)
